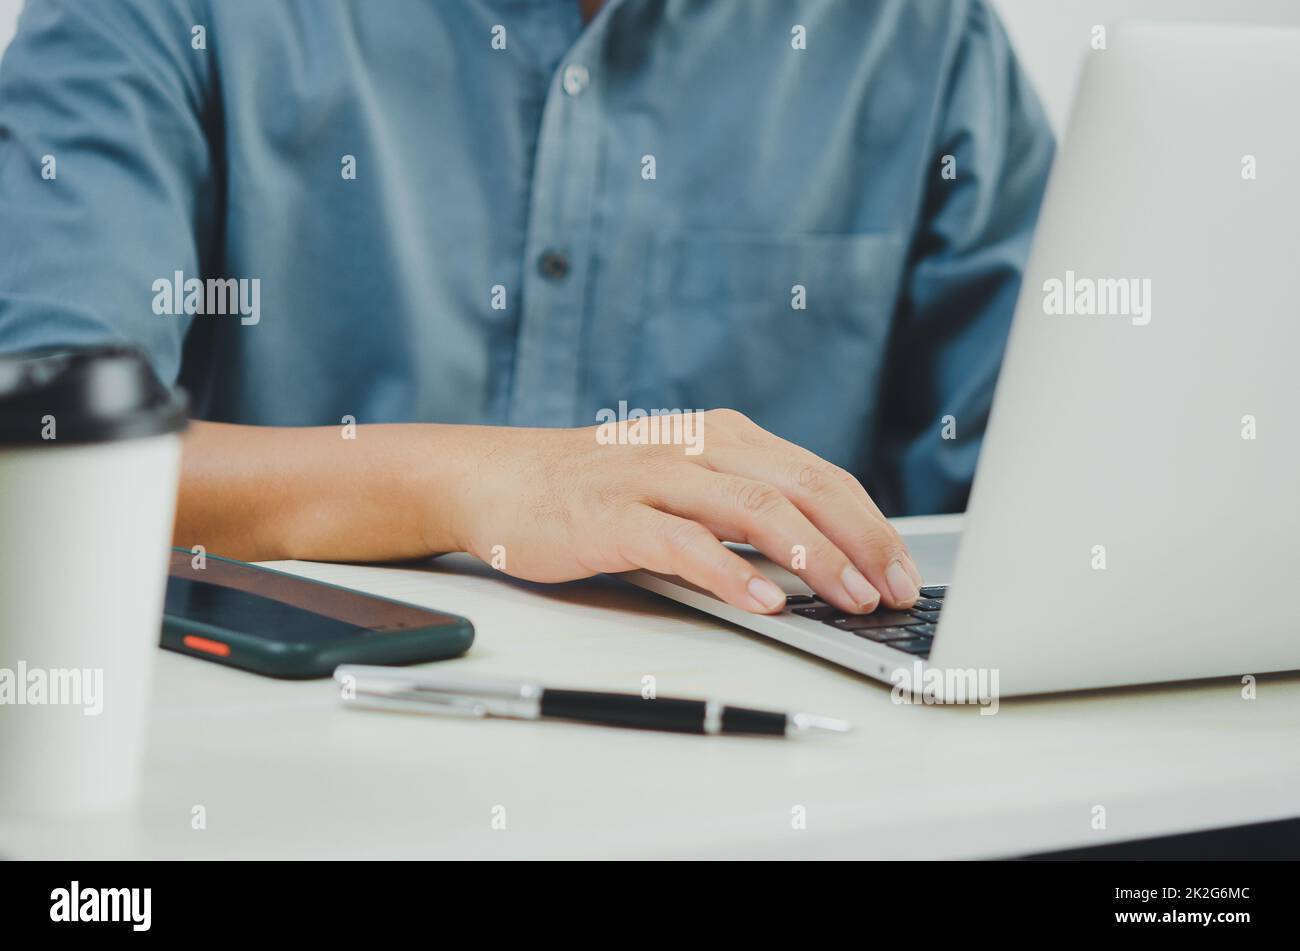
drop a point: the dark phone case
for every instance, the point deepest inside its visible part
(449, 637)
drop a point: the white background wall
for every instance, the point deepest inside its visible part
(1051, 35)
(8, 14)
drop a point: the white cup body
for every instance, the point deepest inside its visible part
(85, 532)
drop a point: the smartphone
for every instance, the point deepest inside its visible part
(283, 625)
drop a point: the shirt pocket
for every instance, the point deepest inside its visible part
(721, 325)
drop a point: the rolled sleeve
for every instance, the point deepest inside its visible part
(106, 176)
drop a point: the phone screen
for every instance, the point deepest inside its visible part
(241, 597)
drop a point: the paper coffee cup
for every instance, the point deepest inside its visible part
(89, 462)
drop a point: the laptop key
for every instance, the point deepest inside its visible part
(792, 599)
(930, 617)
(883, 634)
(862, 622)
(934, 590)
(915, 645)
(927, 604)
(925, 630)
(819, 613)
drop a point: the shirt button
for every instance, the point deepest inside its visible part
(576, 78)
(553, 264)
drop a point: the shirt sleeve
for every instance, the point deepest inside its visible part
(968, 257)
(105, 174)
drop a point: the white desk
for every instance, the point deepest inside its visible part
(284, 771)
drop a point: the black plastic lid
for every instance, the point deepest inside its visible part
(94, 394)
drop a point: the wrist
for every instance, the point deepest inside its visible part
(444, 467)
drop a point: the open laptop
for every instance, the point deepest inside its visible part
(1135, 516)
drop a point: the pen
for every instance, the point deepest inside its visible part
(394, 688)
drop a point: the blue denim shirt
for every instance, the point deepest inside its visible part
(487, 211)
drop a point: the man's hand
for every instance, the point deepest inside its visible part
(545, 504)
(554, 505)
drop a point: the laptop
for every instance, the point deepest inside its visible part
(1135, 515)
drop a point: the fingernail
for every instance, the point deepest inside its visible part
(766, 593)
(861, 590)
(901, 585)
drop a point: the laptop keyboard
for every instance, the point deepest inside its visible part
(910, 631)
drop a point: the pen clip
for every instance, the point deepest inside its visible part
(391, 688)
(418, 701)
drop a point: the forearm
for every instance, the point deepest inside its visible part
(262, 493)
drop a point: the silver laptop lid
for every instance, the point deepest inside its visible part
(1136, 513)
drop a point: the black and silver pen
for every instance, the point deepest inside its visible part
(396, 688)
